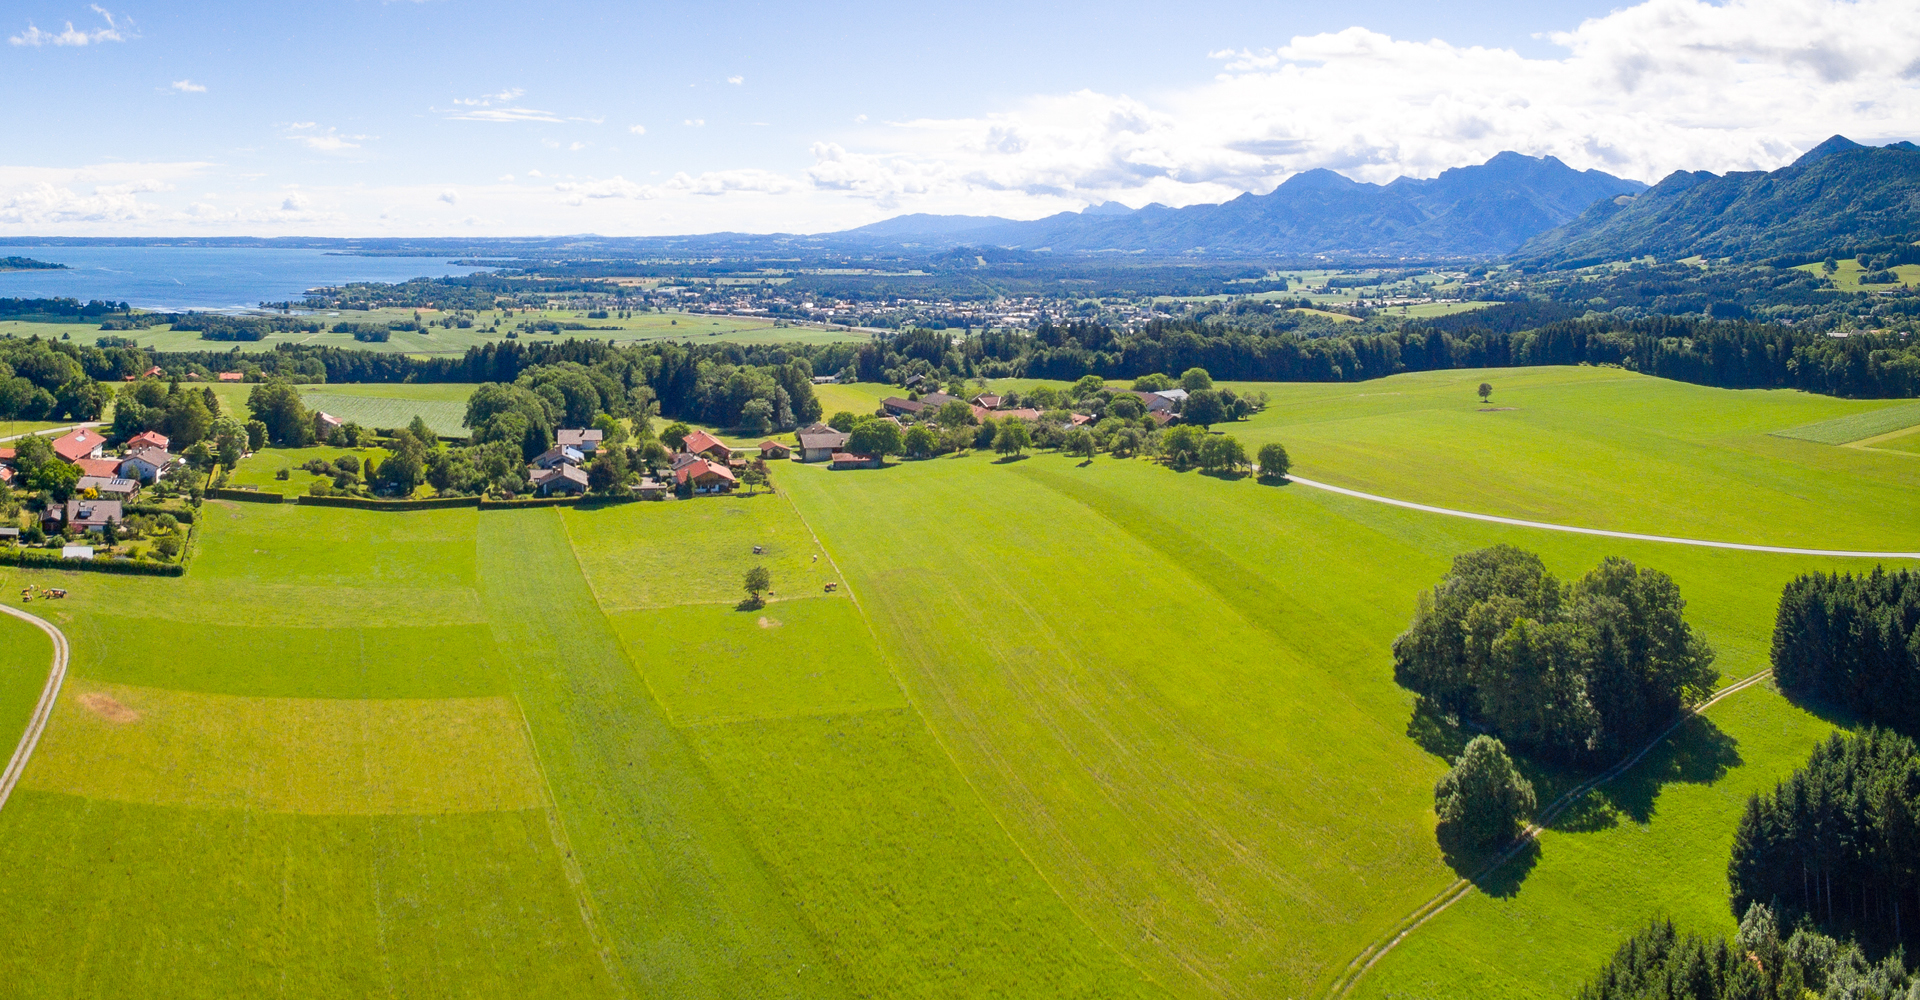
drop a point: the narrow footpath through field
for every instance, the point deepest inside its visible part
(42, 710)
(1518, 523)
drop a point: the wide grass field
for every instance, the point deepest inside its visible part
(1063, 728)
(665, 326)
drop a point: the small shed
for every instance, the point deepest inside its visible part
(774, 449)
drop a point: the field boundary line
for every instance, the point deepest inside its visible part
(1602, 532)
(1362, 963)
(954, 762)
(54, 430)
(43, 710)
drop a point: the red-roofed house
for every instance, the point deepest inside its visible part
(774, 449)
(78, 444)
(233, 376)
(702, 443)
(706, 477)
(154, 372)
(850, 460)
(148, 439)
(106, 468)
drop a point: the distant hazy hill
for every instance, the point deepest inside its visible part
(1838, 196)
(1484, 210)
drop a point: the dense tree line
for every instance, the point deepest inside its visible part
(46, 380)
(1567, 671)
(1658, 963)
(61, 308)
(1852, 641)
(1839, 840)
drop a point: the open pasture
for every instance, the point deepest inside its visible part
(1064, 728)
(1601, 448)
(442, 406)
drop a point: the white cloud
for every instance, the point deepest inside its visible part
(450, 196)
(507, 177)
(324, 140)
(1640, 92)
(106, 193)
(293, 202)
(189, 87)
(577, 146)
(637, 129)
(500, 107)
(113, 32)
(695, 122)
(736, 80)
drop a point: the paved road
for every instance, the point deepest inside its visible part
(41, 711)
(1461, 888)
(53, 430)
(1495, 519)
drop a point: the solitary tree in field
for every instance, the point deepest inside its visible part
(1486, 391)
(759, 581)
(1012, 438)
(1483, 799)
(1274, 462)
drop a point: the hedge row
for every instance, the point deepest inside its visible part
(34, 559)
(182, 514)
(530, 502)
(367, 503)
(249, 496)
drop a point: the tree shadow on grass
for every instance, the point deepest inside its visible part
(1489, 867)
(1274, 481)
(1010, 459)
(1233, 476)
(751, 604)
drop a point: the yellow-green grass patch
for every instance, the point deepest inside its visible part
(650, 555)
(319, 756)
(858, 398)
(115, 899)
(1907, 443)
(711, 663)
(26, 656)
(261, 470)
(444, 408)
(374, 659)
(897, 868)
(1600, 448)
(1847, 278)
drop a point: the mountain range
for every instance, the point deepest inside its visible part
(1486, 210)
(1838, 196)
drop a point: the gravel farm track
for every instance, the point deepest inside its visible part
(41, 711)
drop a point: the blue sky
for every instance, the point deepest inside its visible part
(449, 116)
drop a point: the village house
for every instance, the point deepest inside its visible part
(84, 515)
(935, 400)
(895, 406)
(702, 443)
(650, 488)
(324, 424)
(585, 441)
(986, 401)
(774, 449)
(1155, 402)
(705, 477)
(818, 442)
(148, 439)
(79, 443)
(233, 377)
(562, 479)
(146, 465)
(103, 468)
(851, 460)
(558, 455)
(113, 488)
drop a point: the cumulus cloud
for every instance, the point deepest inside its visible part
(450, 196)
(695, 122)
(637, 129)
(1640, 92)
(115, 31)
(293, 202)
(736, 80)
(105, 193)
(188, 87)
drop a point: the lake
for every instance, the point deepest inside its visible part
(204, 278)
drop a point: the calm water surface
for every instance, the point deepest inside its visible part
(176, 278)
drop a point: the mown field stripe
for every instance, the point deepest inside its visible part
(42, 711)
(686, 903)
(1350, 976)
(1632, 536)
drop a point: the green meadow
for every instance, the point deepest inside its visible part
(1061, 727)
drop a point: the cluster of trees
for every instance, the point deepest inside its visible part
(58, 309)
(1839, 840)
(44, 380)
(1568, 672)
(1658, 963)
(218, 326)
(1852, 641)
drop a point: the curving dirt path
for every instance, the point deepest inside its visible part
(1496, 519)
(1349, 977)
(41, 711)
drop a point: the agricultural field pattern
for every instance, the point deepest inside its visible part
(1021, 727)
